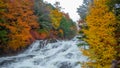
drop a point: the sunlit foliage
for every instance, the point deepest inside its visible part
(100, 34)
(56, 17)
(24, 21)
(18, 19)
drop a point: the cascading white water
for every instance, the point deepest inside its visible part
(61, 54)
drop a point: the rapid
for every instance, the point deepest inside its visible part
(40, 54)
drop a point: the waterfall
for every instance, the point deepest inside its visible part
(60, 54)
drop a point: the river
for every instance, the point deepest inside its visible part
(61, 54)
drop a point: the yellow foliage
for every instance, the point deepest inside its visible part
(56, 17)
(85, 52)
(61, 31)
(100, 34)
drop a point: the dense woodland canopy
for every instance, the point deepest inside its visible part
(101, 27)
(24, 21)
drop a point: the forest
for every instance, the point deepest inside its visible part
(24, 21)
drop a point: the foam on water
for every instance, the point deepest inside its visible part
(61, 54)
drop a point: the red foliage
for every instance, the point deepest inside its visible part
(35, 35)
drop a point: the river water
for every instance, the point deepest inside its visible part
(61, 54)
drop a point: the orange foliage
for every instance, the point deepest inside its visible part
(43, 35)
(20, 19)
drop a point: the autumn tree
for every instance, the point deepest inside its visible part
(114, 6)
(19, 20)
(3, 29)
(100, 34)
(56, 17)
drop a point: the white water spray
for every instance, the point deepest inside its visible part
(61, 54)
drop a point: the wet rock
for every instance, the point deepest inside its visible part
(37, 62)
(6, 62)
(69, 55)
(52, 40)
(66, 65)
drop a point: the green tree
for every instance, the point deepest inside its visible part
(68, 27)
(42, 10)
(83, 9)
